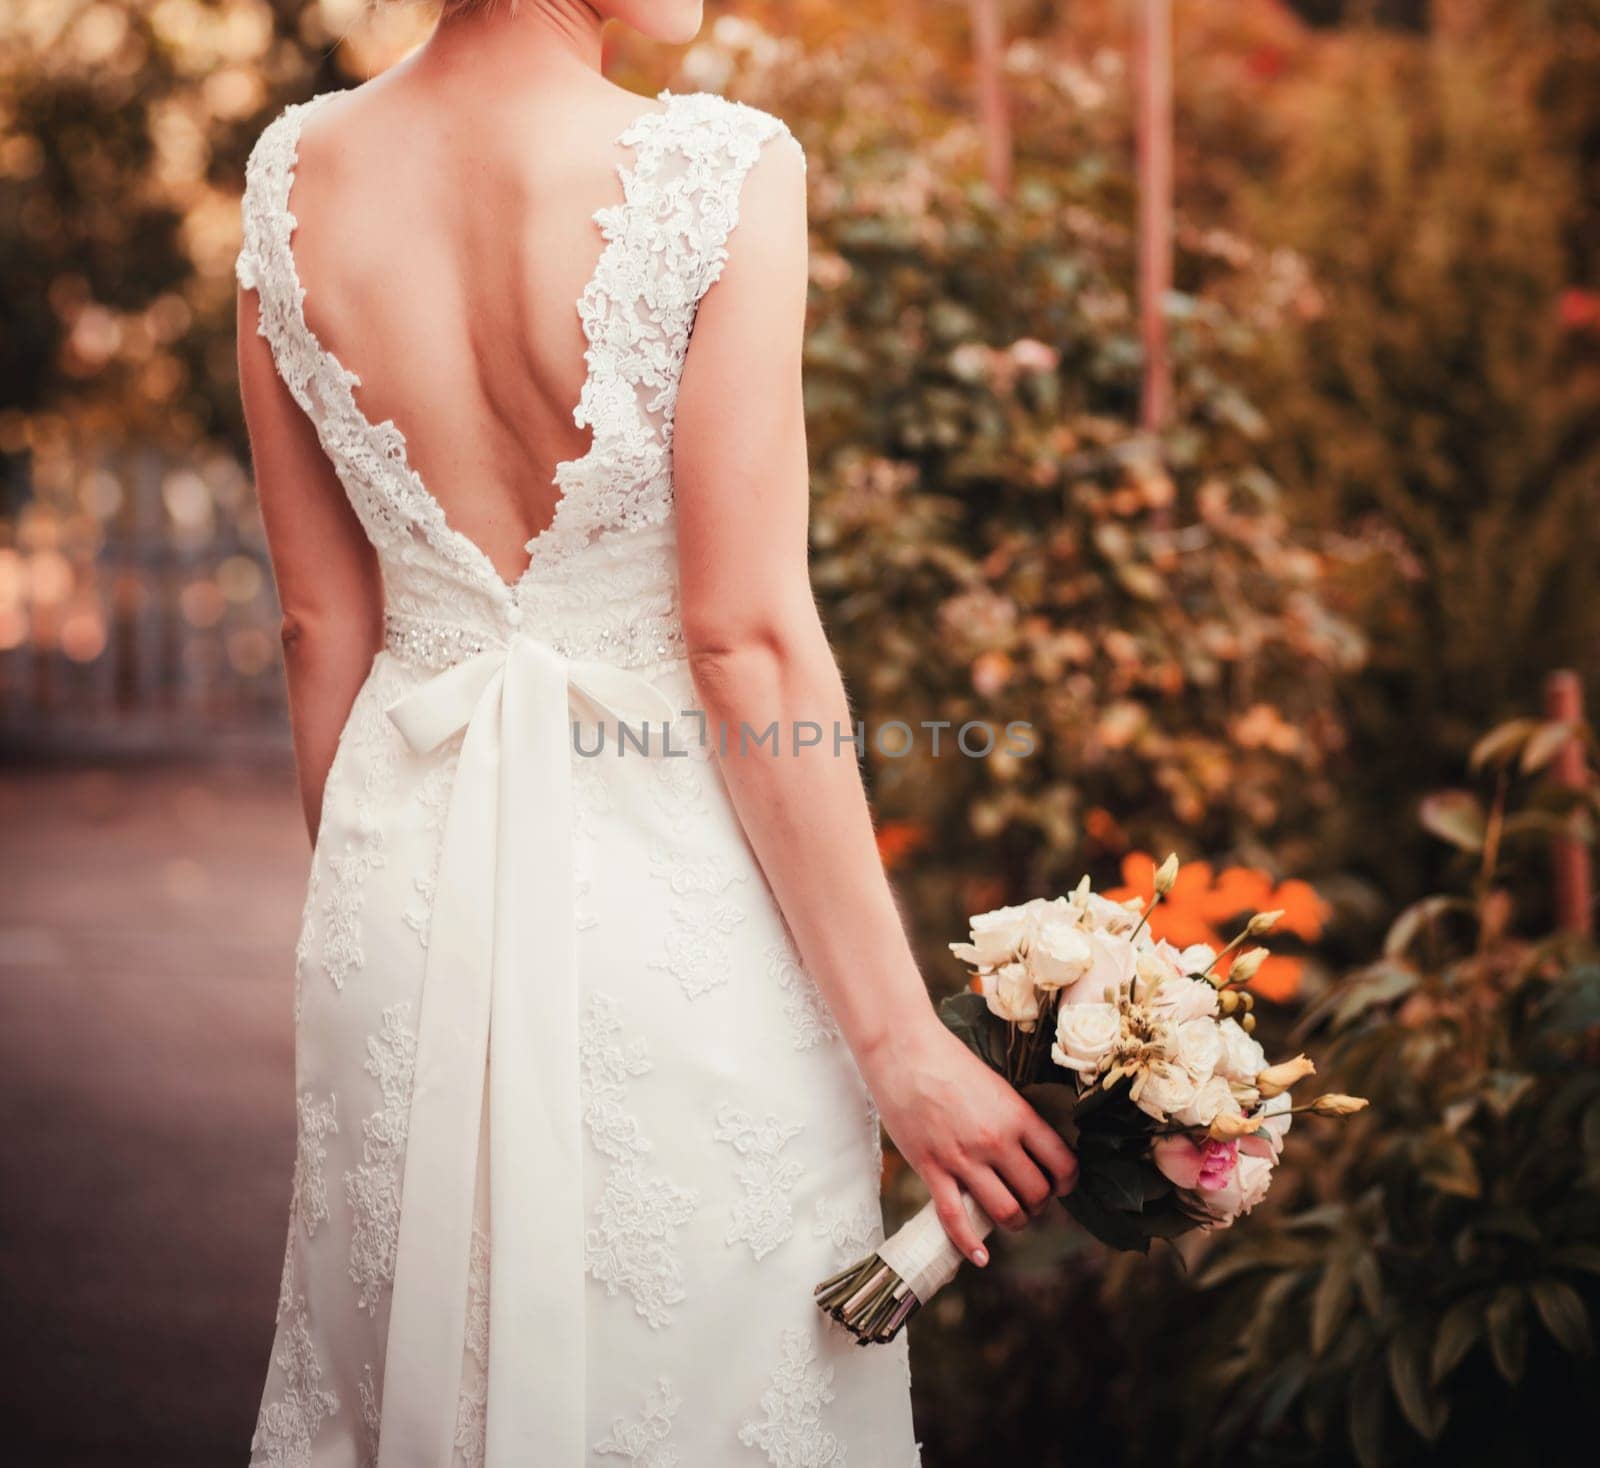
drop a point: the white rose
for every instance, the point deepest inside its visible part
(996, 936)
(1106, 916)
(1255, 1177)
(1058, 954)
(1242, 1055)
(1086, 1034)
(1252, 1176)
(1010, 994)
(1183, 999)
(1211, 1100)
(1111, 967)
(1197, 958)
(1199, 1049)
(1167, 1088)
(1276, 1120)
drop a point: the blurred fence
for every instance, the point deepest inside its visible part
(142, 620)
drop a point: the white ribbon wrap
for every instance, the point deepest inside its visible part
(921, 1252)
(500, 990)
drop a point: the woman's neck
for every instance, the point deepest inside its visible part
(539, 38)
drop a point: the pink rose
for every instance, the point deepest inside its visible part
(1204, 1166)
(1217, 1163)
(1180, 1159)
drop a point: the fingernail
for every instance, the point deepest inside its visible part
(981, 1257)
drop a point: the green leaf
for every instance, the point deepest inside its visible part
(1417, 1403)
(1445, 1163)
(1330, 1302)
(1366, 1414)
(1369, 1282)
(1415, 919)
(1455, 816)
(1501, 743)
(1057, 1103)
(1458, 1332)
(1114, 1229)
(1118, 1184)
(1508, 1332)
(1585, 1257)
(1545, 744)
(1564, 1314)
(968, 1017)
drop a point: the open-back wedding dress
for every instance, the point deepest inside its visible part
(576, 1133)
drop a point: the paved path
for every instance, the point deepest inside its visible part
(147, 920)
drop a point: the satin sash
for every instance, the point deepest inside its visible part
(500, 990)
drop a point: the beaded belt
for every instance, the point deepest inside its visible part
(430, 643)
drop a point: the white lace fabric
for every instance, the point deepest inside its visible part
(730, 1151)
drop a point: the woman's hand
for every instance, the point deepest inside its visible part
(960, 1125)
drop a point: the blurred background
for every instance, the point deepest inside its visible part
(1216, 386)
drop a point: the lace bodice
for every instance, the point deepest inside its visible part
(601, 581)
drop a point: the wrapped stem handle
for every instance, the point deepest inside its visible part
(922, 1253)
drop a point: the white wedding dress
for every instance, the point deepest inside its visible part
(576, 1132)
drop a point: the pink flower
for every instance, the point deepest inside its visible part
(1204, 1166)
(1217, 1162)
(1179, 1158)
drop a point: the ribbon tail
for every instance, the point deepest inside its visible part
(538, 1349)
(427, 1320)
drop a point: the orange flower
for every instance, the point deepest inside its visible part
(897, 840)
(1199, 907)
(1304, 912)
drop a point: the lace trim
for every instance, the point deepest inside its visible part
(811, 1022)
(791, 1433)
(697, 951)
(287, 1427)
(664, 244)
(630, 1248)
(854, 1230)
(371, 1416)
(373, 1189)
(764, 1217)
(643, 1439)
(309, 1202)
(472, 1414)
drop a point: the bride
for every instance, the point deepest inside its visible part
(592, 1049)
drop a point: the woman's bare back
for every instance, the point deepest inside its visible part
(444, 240)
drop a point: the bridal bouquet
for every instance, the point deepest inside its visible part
(1140, 1054)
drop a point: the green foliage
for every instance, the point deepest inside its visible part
(995, 539)
(1437, 1282)
(1439, 385)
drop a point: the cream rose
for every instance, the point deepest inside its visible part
(1058, 954)
(1086, 1034)
(1212, 1099)
(996, 937)
(1167, 1088)
(1199, 1049)
(1242, 1056)
(1182, 999)
(1197, 958)
(1010, 994)
(1111, 967)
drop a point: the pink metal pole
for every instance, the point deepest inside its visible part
(994, 118)
(1153, 68)
(1574, 896)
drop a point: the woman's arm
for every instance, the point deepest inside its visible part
(324, 566)
(759, 656)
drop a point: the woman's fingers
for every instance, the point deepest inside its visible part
(994, 1197)
(1025, 1180)
(1053, 1155)
(946, 1194)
